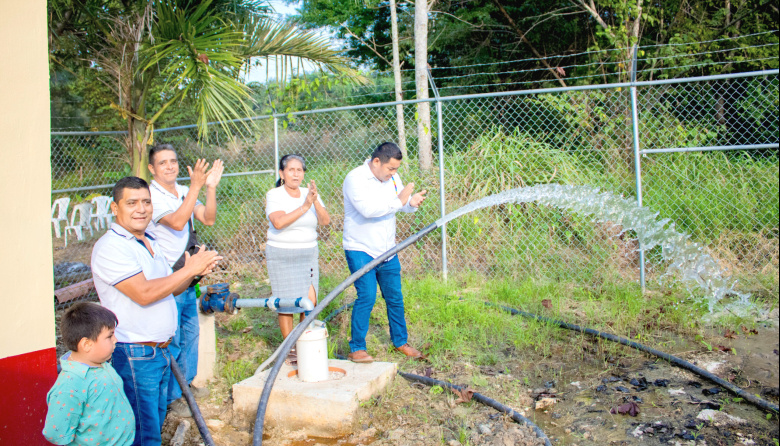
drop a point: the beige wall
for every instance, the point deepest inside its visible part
(26, 298)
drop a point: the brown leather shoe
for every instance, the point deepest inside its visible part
(360, 357)
(409, 351)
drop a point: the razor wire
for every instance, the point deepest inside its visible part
(726, 201)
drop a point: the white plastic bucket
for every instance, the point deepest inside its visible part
(312, 349)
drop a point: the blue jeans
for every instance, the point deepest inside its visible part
(388, 276)
(145, 372)
(184, 345)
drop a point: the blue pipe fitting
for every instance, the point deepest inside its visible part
(218, 298)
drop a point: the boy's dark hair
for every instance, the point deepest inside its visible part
(85, 320)
(128, 183)
(386, 151)
(159, 148)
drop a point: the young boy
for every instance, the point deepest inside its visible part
(87, 404)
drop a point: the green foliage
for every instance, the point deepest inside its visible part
(477, 34)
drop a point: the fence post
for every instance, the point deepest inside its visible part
(276, 148)
(442, 205)
(276, 138)
(637, 155)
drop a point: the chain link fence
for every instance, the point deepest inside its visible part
(726, 200)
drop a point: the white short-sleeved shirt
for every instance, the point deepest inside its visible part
(302, 233)
(172, 242)
(117, 256)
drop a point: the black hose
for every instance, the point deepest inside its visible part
(763, 404)
(482, 399)
(337, 311)
(290, 340)
(196, 415)
(487, 401)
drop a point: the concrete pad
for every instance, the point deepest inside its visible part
(322, 409)
(207, 349)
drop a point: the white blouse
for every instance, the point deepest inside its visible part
(302, 233)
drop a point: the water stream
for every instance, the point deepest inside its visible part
(688, 261)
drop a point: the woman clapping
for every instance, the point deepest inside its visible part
(291, 250)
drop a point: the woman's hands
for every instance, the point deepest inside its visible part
(282, 219)
(311, 197)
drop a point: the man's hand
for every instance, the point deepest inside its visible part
(406, 193)
(418, 198)
(215, 174)
(198, 174)
(203, 262)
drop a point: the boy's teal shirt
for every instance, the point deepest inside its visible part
(88, 406)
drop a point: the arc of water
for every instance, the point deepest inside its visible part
(687, 259)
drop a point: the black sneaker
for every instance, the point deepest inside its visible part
(180, 408)
(199, 392)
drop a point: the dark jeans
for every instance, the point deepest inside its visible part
(184, 345)
(145, 372)
(388, 276)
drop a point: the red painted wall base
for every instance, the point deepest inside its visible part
(24, 381)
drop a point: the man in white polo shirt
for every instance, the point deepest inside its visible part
(373, 193)
(175, 208)
(133, 279)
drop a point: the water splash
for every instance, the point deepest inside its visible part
(688, 261)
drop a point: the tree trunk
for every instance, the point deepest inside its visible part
(399, 96)
(137, 139)
(421, 81)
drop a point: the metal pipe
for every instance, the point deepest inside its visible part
(276, 148)
(712, 148)
(442, 205)
(290, 340)
(470, 96)
(107, 132)
(109, 186)
(275, 303)
(440, 144)
(637, 164)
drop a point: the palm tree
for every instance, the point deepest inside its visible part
(198, 52)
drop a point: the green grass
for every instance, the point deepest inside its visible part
(454, 325)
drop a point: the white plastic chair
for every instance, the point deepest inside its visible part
(102, 213)
(84, 210)
(60, 206)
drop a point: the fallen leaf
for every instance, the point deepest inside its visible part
(730, 334)
(626, 409)
(546, 303)
(676, 392)
(247, 329)
(544, 403)
(233, 356)
(723, 348)
(428, 372)
(464, 395)
(749, 331)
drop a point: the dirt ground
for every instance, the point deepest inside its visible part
(582, 393)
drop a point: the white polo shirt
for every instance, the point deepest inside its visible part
(172, 242)
(117, 256)
(369, 211)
